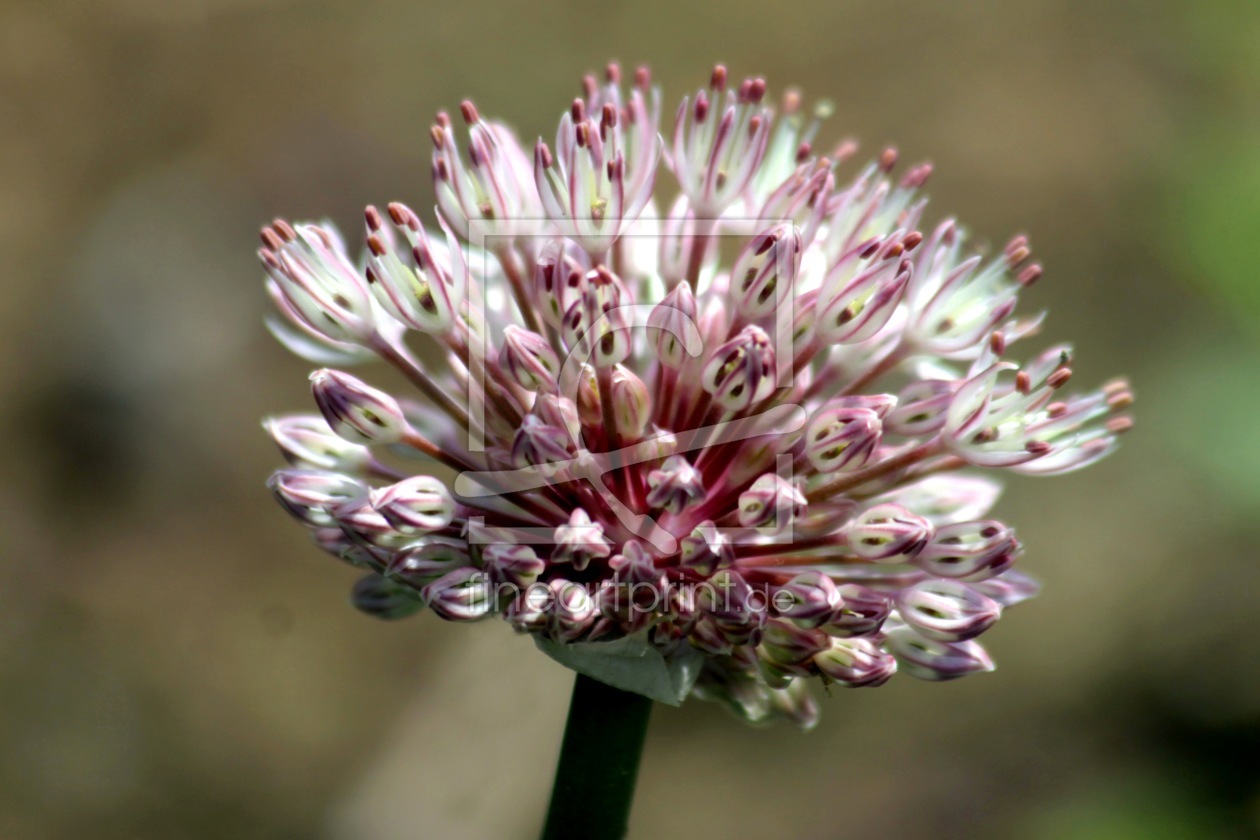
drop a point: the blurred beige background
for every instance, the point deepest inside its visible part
(177, 662)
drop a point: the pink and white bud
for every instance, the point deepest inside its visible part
(888, 533)
(844, 434)
(530, 611)
(741, 373)
(537, 444)
(675, 485)
(928, 659)
(421, 289)
(1009, 588)
(425, 562)
(573, 610)
(771, 503)
(786, 643)
(596, 325)
(363, 524)
(580, 540)
(971, 551)
(496, 184)
(631, 403)
(852, 312)
(529, 359)
(861, 612)
(315, 284)
(947, 610)
(808, 600)
(462, 595)
(674, 322)
(307, 442)
(415, 505)
(517, 565)
(765, 271)
(921, 408)
(356, 411)
(855, 663)
(706, 549)
(310, 495)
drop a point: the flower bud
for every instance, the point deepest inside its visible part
(947, 610)
(928, 659)
(462, 595)
(765, 271)
(674, 323)
(631, 404)
(843, 436)
(675, 485)
(315, 284)
(580, 541)
(538, 445)
(736, 608)
(635, 565)
(364, 524)
(786, 643)
(946, 499)
(921, 408)
(771, 503)
(381, 598)
(529, 359)
(309, 495)
(529, 612)
(741, 372)
(853, 312)
(596, 325)
(414, 505)
(517, 565)
(1009, 588)
(421, 564)
(339, 544)
(573, 610)
(706, 637)
(855, 663)
(888, 533)
(808, 600)
(356, 411)
(862, 611)
(706, 549)
(970, 551)
(419, 290)
(307, 442)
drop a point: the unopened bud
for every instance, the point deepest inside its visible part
(970, 551)
(461, 595)
(517, 565)
(421, 564)
(741, 372)
(381, 598)
(675, 485)
(843, 434)
(947, 610)
(771, 502)
(356, 411)
(414, 505)
(808, 600)
(855, 663)
(307, 442)
(310, 495)
(928, 659)
(766, 270)
(888, 533)
(631, 404)
(862, 611)
(529, 359)
(580, 541)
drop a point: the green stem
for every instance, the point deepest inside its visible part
(599, 763)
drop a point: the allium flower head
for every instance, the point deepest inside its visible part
(679, 475)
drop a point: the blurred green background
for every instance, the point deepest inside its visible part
(177, 662)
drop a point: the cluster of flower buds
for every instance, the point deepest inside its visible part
(768, 465)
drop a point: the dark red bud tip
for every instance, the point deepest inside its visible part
(642, 77)
(270, 239)
(609, 116)
(544, 155)
(399, 214)
(1056, 409)
(757, 91)
(912, 240)
(895, 250)
(917, 177)
(888, 159)
(1059, 378)
(803, 151)
(1038, 447)
(612, 73)
(1119, 425)
(1016, 243)
(869, 251)
(375, 245)
(583, 135)
(997, 343)
(469, 111)
(701, 107)
(268, 258)
(754, 125)
(286, 231)
(603, 273)
(440, 171)
(373, 218)
(1023, 382)
(718, 80)
(577, 111)
(1030, 275)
